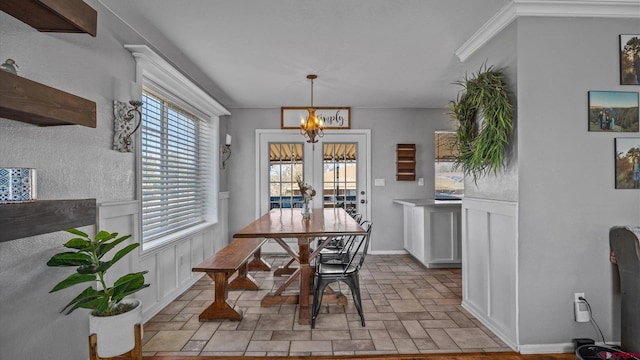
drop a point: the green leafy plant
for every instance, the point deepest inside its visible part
(482, 146)
(86, 256)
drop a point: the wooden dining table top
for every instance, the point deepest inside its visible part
(285, 223)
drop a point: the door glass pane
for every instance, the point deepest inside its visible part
(449, 181)
(340, 176)
(285, 164)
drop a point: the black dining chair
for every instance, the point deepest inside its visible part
(340, 252)
(346, 272)
(339, 241)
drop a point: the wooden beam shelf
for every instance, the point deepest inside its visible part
(29, 101)
(21, 220)
(406, 162)
(68, 16)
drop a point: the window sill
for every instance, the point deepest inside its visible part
(156, 245)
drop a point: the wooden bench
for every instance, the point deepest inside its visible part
(220, 267)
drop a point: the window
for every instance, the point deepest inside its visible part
(449, 181)
(174, 168)
(340, 175)
(285, 165)
(177, 157)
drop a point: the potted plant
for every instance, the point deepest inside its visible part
(112, 317)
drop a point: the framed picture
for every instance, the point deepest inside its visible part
(629, 59)
(627, 163)
(332, 117)
(613, 111)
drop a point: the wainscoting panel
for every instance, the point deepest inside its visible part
(490, 268)
(170, 263)
(121, 217)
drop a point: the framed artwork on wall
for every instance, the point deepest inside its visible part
(332, 117)
(627, 153)
(629, 59)
(615, 111)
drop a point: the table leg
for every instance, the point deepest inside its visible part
(220, 309)
(258, 263)
(285, 270)
(304, 315)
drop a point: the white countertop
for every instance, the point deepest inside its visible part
(427, 202)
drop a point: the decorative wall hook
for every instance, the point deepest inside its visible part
(127, 120)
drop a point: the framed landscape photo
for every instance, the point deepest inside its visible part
(613, 111)
(332, 117)
(627, 152)
(629, 59)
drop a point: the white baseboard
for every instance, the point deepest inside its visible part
(387, 252)
(546, 348)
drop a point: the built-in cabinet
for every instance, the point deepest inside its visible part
(432, 232)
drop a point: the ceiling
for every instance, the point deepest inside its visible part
(366, 53)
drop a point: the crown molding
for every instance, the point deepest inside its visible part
(546, 8)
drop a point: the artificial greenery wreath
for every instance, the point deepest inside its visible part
(481, 145)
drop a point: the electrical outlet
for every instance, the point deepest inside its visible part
(580, 310)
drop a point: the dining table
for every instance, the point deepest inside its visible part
(281, 224)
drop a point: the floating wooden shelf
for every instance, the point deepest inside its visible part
(406, 162)
(70, 16)
(29, 101)
(22, 220)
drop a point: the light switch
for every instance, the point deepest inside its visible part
(421, 182)
(378, 182)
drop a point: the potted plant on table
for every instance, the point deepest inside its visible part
(112, 317)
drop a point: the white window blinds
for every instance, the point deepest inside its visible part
(175, 168)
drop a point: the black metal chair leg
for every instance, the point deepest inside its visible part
(354, 284)
(318, 291)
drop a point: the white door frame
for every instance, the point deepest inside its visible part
(261, 187)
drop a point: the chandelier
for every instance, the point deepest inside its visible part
(312, 126)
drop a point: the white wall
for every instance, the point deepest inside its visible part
(489, 215)
(388, 128)
(567, 196)
(562, 181)
(72, 162)
(65, 157)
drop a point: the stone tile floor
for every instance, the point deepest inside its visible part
(408, 309)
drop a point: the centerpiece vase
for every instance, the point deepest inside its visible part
(306, 209)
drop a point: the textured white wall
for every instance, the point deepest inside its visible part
(72, 162)
(388, 127)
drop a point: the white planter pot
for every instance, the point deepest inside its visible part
(115, 334)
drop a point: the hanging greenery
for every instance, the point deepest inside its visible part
(483, 113)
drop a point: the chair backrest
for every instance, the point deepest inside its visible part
(357, 217)
(361, 244)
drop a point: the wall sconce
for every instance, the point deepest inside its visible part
(127, 120)
(225, 152)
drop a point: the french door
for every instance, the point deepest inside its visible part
(337, 167)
